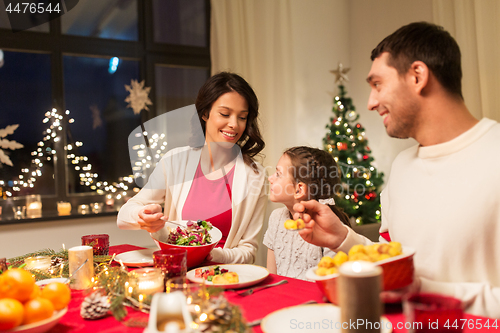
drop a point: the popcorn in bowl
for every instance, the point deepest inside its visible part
(395, 260)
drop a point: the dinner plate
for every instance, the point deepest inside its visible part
(136, 258)
(248, 275)
(41, 326)
(42, 283)
(313, 318)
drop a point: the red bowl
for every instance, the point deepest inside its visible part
(195, 254)
(397, 273)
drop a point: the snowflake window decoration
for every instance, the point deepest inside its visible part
(8, 144)
(138, 98)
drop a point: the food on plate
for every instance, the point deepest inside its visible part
(295, 224)
(226, 278)
(374, 252)
(23, 302)
(217, 275)
(195, 233)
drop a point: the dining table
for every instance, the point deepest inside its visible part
(256, 306)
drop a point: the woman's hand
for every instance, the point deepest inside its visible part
(322, 227)
(150, 218)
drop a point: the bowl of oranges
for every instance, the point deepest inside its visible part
(27, 307)
(395, 260)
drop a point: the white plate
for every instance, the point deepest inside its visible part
(42, 283)
(41, 326)
(247, 274)
(137, 258)
(311, 318)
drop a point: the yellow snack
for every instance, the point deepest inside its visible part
(290, 225)
(294, 224)
(372, 252)
(326, 262)
(340, 258)
(359, 248)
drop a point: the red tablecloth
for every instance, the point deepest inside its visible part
(254, 307)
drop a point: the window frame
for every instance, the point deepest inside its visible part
(147, 52)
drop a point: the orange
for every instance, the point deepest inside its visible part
(37, 309)
(11, 313)
(37, 292)
(16, 283)
(58, 293)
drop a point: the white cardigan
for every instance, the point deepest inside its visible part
(170, 183)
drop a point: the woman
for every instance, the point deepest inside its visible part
(219, 182)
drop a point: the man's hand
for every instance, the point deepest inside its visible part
(150, 218)
(322, 227)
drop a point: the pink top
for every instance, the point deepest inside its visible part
(210, 200)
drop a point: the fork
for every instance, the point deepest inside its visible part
(251, 291)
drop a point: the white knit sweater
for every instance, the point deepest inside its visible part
(444, 201)
(170, 183)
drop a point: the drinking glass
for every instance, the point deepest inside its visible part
(432, 313)
(172, 262)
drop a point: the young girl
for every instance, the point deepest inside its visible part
(302, 173)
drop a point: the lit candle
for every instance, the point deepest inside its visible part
(63, 208)
(34, 210)
(81, 276)
(143, 283)
(42, 263)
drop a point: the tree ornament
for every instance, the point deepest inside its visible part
(138, 98)
(95, 306)
(341, 146)
(365, 157)
(340, 73)
(351, 115)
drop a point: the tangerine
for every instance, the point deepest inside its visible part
(37, 292)
(58, 293)
(37, 309)
(16, 283)
(11, 313)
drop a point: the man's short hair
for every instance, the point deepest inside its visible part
(430, 44)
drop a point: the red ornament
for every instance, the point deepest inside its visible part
(368, 148)
(370, 196)
(358, 125)
(341, 146)
(365, 157)
(334, 120)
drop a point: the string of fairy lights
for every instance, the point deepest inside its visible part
(80, 163)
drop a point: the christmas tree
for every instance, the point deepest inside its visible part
(346, 141)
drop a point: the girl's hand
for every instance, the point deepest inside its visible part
(322, 227)
(150, 218)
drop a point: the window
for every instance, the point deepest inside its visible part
(64, 82)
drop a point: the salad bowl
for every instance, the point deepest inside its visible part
(195, 253)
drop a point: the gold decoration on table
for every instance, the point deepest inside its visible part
(221, 316)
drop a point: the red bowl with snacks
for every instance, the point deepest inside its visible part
(397, 273)
(195, 253)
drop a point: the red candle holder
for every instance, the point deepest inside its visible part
(99, 243)
(433, 313)
(172, 262)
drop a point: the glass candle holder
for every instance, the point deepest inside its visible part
(172, 262)
(83, 209)
(63, 208)
(41, 263)
(19, 212)
(143, 283)
(96, 207)
(81, 267)
(196, 293)
(34, 206)
(99, 243)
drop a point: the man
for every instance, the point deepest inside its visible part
(443, 196)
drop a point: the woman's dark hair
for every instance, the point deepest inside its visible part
(318, 170)
(251, 142)
(430, 44)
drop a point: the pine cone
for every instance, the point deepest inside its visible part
(95, 306)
